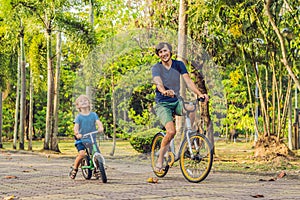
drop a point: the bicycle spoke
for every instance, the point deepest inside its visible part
(196, 165)
(155, 148)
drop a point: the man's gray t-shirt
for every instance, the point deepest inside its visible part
(170, 79)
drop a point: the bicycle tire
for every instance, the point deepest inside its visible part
(100, 167)
(196, 169)
(155, 147)
(85, 164)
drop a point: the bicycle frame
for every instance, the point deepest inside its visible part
(188, 132)
(194, 153)
(94, 151)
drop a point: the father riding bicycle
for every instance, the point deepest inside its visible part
(166, 75)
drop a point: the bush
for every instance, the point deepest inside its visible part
(141, 141)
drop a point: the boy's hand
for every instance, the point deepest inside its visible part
(100, 130)
(78, 136)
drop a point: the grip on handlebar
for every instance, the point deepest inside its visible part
(75, 137)
(201, 99)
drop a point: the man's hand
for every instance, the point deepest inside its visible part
(205, 96)
(169, 93)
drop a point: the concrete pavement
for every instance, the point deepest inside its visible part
(26, 175)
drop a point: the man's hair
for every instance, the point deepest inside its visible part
(162, 45)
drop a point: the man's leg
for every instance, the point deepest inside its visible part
(165, 144)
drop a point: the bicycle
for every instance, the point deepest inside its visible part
(195, 150)
(94, 166)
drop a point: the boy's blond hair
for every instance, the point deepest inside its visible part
(79, 98)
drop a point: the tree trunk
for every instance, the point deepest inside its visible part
(249, 93)
(205, 114)
(265, 116)
(284, 60)
(17, 105)
(49, 114)
(91, 12)
(182, 42)
(23, 89)
(88, 88)
(1, 145)
(114, 119)
(30, 127)
(54, 139)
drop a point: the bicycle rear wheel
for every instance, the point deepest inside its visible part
(197, 166)
(85, 167)
(100, 167)
(155, 148)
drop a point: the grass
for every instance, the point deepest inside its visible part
(239, 157)
(231, 157)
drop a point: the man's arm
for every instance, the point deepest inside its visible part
(161, 88)
(191, 85)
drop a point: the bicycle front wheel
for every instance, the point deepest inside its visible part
(196, 163)
(100, 167)
(155, 148)
(85, 167)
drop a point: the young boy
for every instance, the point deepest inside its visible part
(85, 122)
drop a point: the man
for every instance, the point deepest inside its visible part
(166, 75)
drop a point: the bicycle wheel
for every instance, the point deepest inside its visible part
(85, 167)
(196, 167)
(155, 147)
(100, 168)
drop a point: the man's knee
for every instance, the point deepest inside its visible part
(170, 135)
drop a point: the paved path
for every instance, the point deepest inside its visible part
(31, 176)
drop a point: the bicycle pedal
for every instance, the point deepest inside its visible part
(97, 175)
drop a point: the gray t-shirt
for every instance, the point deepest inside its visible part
(87, 124)
(170, 79)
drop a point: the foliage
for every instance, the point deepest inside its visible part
(141, 141)
(228, 31)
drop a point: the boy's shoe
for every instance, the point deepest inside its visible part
(73, 173)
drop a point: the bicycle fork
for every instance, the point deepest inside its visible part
(187, 136)
(97, 154)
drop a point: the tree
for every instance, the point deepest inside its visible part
(54, 139)
(268, 5)
(181, 55)
(1, 145)
(23, 87)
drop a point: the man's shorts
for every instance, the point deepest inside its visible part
(165, 110)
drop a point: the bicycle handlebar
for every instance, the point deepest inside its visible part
(86, 135)
(194, 103)
(89, 134)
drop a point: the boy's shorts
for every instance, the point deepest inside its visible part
(165, 110)
(80, 146)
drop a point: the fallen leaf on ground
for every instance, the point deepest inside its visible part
(152, 180)
(271, 179)
(281, 175)
(257, 196)
(9, 198)
(9, 177)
